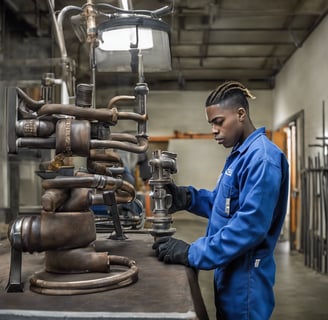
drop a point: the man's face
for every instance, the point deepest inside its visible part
(227, 124)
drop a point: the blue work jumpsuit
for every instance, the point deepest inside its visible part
(246, 211)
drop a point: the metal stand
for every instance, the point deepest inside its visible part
(109, 199)
(15, 283)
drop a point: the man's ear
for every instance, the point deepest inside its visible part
(241, 113)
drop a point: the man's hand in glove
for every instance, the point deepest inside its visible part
(171, 250)
(181, 198)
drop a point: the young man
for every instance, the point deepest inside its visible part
(245, 211)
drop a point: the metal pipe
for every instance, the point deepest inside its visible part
(37, 143)
(125, 193)
(81, 145)
(104, 155)
(140, 147)
(115, 99)
(32, 104)
(89, 286)
(80, 199)
(141, 92)
(58, 25)
(100, 114)
(94, 181)
(40, 233)
(52, 199)
(77, 260)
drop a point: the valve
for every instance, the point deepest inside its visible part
(163, 164)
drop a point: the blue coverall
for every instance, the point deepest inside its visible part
(246, 212)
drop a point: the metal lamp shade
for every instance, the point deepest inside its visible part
(121, 39)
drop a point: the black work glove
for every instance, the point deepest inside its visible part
(171, 250)
(181, 197)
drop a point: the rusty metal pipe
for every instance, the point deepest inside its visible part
(51, 231)
(141, 147)
(120, 196)
(100, 114)
(124, 137)
(50, 143)
(125, 193)
(125, 115)
(43, 143)
(95, 285)
(104, 155)
(34, 128)
(32, 104)
(118, 98)
(77, 261)
(79, 200)
(105, 168)
(52, 199)
(94, 181)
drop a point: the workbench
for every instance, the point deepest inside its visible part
(162, 291)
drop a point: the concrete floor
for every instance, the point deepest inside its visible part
(301, 293)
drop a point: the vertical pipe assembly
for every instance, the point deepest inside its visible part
(162, 164)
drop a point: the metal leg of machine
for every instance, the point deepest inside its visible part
(15, 283)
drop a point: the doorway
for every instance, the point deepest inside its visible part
(289, 137)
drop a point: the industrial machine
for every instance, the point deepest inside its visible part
(65, 229)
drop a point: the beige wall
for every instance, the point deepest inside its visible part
(184, 111)
(303, 85)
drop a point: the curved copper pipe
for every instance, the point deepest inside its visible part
(125, 115)
(141, 147)
(118, 98)
(94, 181)
(125, 193)
(32, 104)
(123, 137)
(34, 128)
(100, 114)
(89, 286)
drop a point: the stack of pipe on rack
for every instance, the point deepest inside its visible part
(315, 214)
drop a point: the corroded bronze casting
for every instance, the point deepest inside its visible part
(65, 229)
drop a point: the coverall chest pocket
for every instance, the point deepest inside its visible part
(227, 200)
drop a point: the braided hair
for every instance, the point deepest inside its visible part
(232, 93)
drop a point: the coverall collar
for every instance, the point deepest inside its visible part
(249, 140)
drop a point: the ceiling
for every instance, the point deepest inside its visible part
(211, 40)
